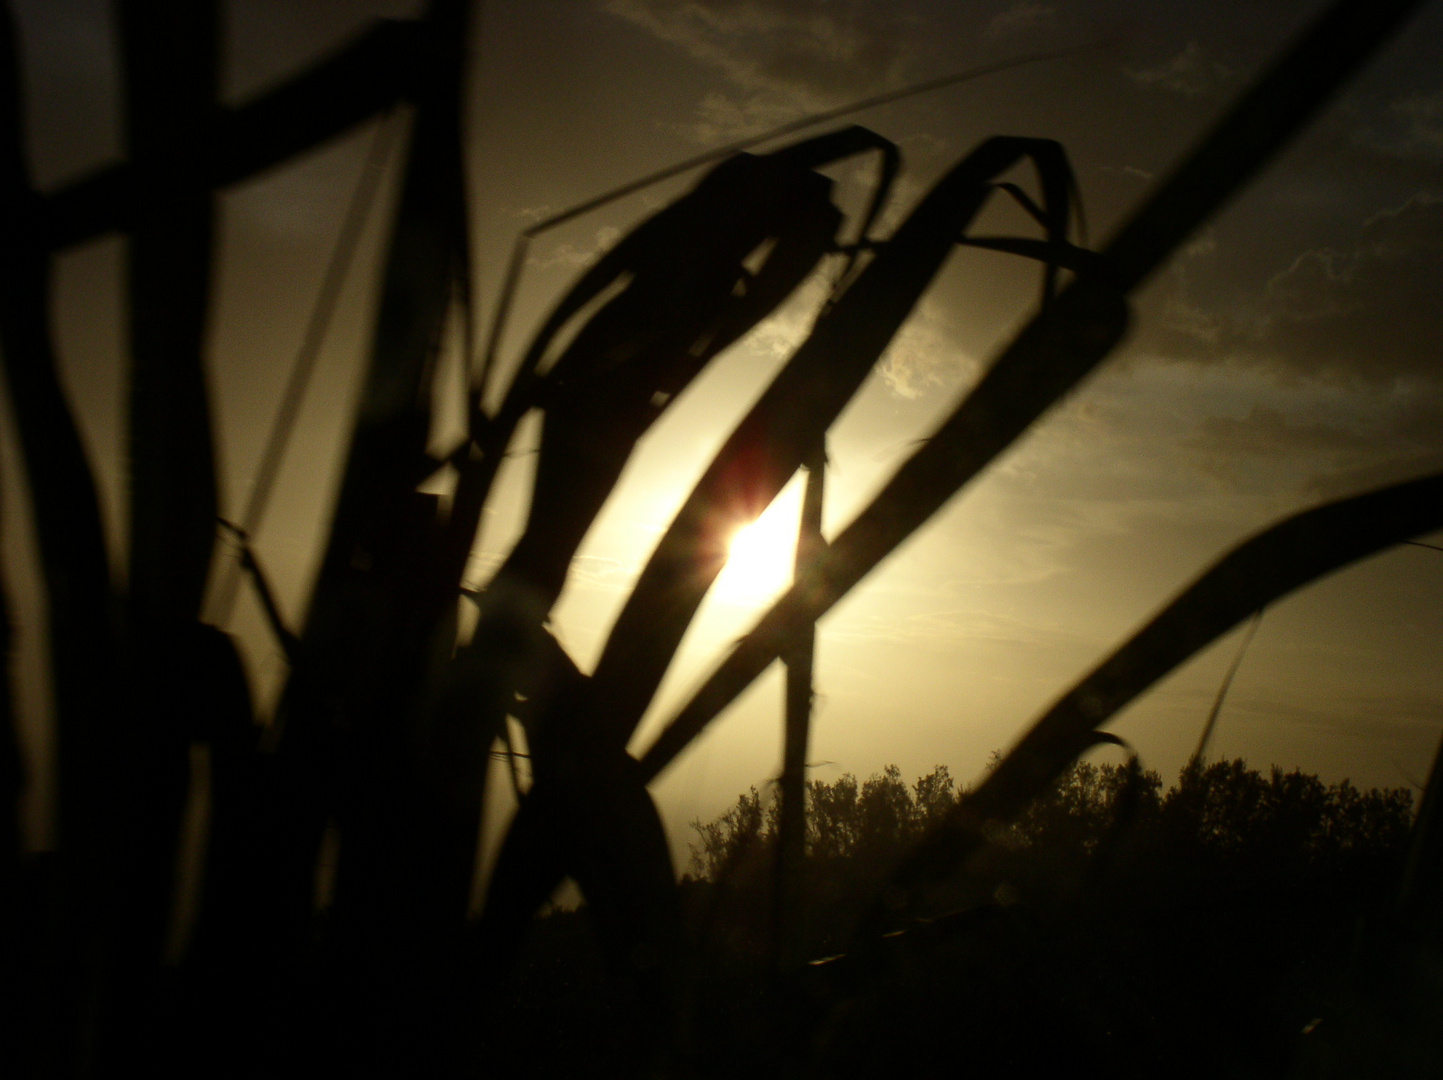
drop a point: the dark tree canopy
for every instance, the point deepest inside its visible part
(1225, 810)
(1221, 914)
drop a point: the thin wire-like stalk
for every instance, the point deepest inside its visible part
(353, 225)
(1258, 572)
(1063, 343)
(785, 424)
(365, 77)
(523, 241)
(792, 819)
(1422, 884)
(1207, 732)
(12, 778)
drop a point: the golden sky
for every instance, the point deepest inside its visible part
(1288, 354)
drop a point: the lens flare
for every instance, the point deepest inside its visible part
(760, 555)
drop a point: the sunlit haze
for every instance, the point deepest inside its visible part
(1287, 355)
(760, 556)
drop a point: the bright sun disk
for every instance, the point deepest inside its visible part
(760, 555)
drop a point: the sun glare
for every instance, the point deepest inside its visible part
(760, 555)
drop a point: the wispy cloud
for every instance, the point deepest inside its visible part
(1369, 307)
(782, 60)
(1190, 72)
(1422, 119)
(925, 354)
(1130, 171)
(1360, 309)
(569, 256)
(1021, 17)
(600, 572)
(951, 627)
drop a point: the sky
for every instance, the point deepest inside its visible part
(1287, 354)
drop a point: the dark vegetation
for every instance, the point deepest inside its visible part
(1094, 820)
(1204, 930)
(369, 778)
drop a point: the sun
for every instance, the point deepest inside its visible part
(760, 555)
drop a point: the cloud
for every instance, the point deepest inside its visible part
(1020, 17)
(1179, 313)
(1190, 73)
(1268, 431)
(924, 354)
(1407, 128)
(1268, 450)
(783, 60)
(1421, 116)
(1315, 285)
(1362, 309)
(533, 214)
(1131, 171)
(1360, 441)
(722, 119)
(1188, 319)
(952, 628)
(811, 47)
(780, 334)
(568, 256)
(1379, 471)
(1370, 309)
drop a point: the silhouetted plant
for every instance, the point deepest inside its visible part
(372, 771)
(1202, 926)
(844, 819)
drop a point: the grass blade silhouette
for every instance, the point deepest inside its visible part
(317, 326)
(170, 90)
(359, 80)
(788, 901)
(789, 420)
(780, 432)
(1034, 371)
(341, 738)
(169, 58)
(64, 500)
(683, 291)
(676, 293)
(518, 252)
(1273, 563)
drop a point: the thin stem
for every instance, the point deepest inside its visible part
(1207, 731)
(792, 823)
(342, 256)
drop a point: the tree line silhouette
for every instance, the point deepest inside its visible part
(329, 924)
(1209, 928)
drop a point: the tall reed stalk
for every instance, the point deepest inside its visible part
(363, 794)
